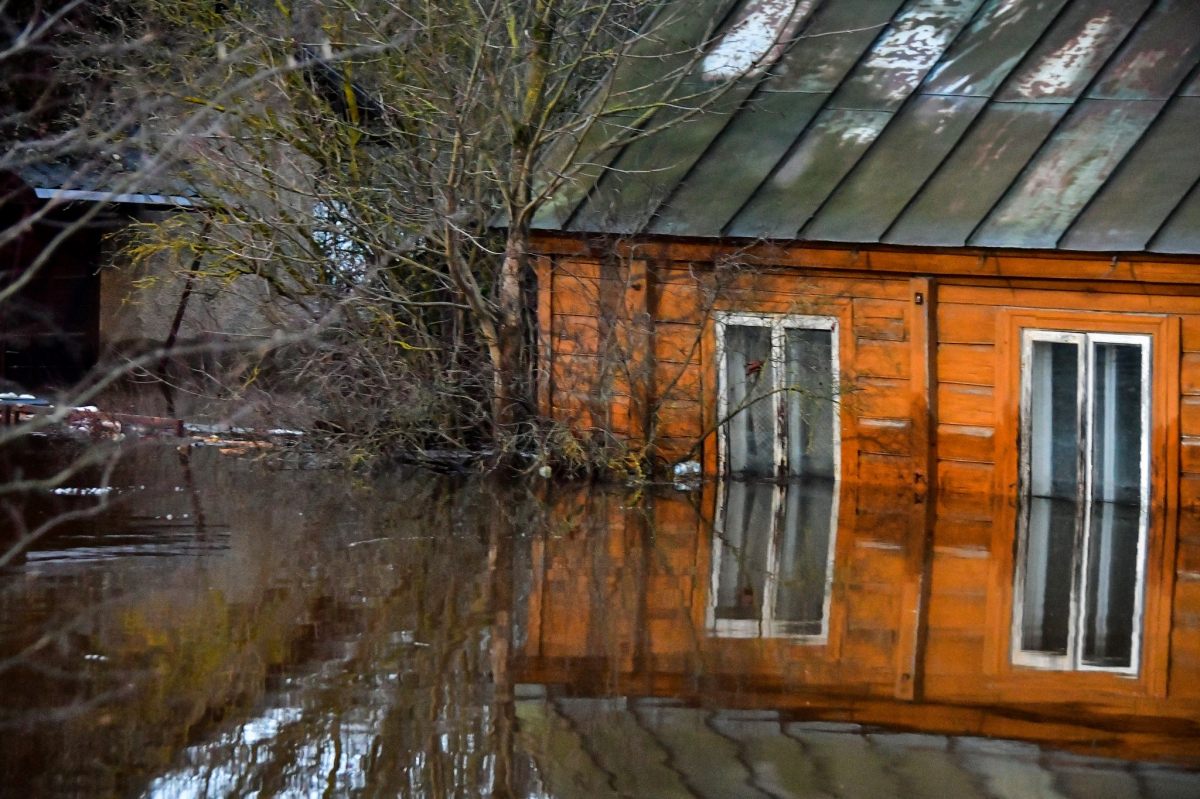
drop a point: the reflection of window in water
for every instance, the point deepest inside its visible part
(1085, 412)
(773, 542)
(772, 558)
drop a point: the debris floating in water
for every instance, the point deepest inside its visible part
(97, 491)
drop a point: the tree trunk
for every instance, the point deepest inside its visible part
(509, 385)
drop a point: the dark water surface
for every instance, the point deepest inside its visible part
(236, 629)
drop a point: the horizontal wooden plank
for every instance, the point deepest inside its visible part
(966, 363)
(873, 610)
(953, 574)
(882, 328)
(957, 442)
(972, 406)
(1188, 559)
(1189, 416)
(877, 567)
(955, 477)
(680, 419)
(1190, 332)
(879, 398)
(875, 358)
(962, 532)
(1174, 300)
(863, 307)
(888, 524)
(571, 334)
(575, 300)
(958, 611)
(885, 436)
(1189, 455)
(682, 302)
(950, 652)
(672, 449)
(677, 343)
(877, 471)
(674, 381)
(1189, 373)
(1189, 494)
(965, 324)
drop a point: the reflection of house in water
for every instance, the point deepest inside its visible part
(725, 599)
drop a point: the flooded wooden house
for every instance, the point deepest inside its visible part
(931, 270)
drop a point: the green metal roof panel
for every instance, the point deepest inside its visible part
(976, 175)
(1156, 57)
(738, 161)
(752, 144)
(1073, 51)
(647, 169)
(998, 123)
(1058, 183)
(1181, 233)
(994, 43)
(904, 54)
(667, 46)
(1132, 206)
(908, 152)
(828, 151)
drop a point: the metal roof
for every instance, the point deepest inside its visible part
(1068, 124)
(95, 181)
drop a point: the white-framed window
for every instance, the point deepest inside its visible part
(1078, 595)
(773, 546)
(778, 396)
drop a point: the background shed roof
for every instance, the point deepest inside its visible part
(1069, 124)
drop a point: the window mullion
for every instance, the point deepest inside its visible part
(779, 367)
(1084, 514)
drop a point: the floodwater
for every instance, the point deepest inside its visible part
(228, 627)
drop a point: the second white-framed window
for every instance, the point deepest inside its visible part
(1085, 487)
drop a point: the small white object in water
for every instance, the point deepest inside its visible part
(545, 471)
(83, 492)
(687, 469)
(170, 517)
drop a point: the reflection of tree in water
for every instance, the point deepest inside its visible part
(343, 639)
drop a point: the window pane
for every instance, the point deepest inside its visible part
(744, 547)
(1049, 574)
(1112, 547)
(804, 556)
(810, 403)
(1117, 423)
(1111, 584)
(1054, 420)
(750, 403)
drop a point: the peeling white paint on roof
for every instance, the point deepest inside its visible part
(912, 45)
(983, 32)
(757, 38)
(1068, 66)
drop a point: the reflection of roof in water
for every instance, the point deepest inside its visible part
(610, 748)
